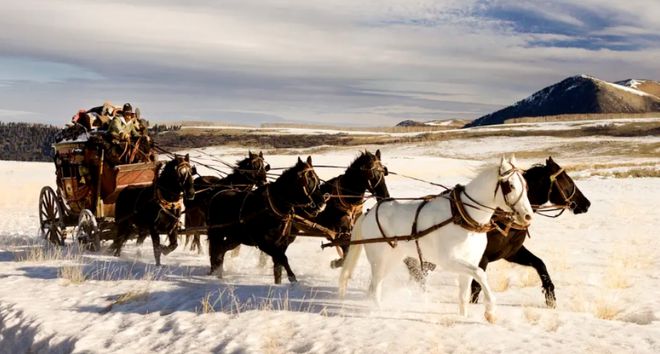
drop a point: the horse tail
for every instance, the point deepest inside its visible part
(351, 258)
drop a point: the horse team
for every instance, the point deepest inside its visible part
(461, 230)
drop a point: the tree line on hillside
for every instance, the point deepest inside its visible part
(26, 141)
(33, 142)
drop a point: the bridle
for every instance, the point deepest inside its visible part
(258, 165)
(310, 178)
(377, 166)
(568, 202)
(504, 183)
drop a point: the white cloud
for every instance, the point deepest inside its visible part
(308, 60)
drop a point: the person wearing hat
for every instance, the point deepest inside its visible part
(121, 131)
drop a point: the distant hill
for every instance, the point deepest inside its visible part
(579, 95)
(450, 123)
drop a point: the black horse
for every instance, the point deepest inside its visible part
(546, 183)
(155, 209)
(346, 191)
(262, 217)
(248, 172)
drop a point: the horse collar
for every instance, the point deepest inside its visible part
(165, 204)
(460, 216)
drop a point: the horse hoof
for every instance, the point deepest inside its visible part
(490, 317)
(337, 263)
(293, 280)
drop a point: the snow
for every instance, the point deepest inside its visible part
(603, 264)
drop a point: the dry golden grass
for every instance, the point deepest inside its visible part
(532, 315)
(206, 306)
(529, 278)
(616, 277)
(75, 274)
(607, 308)
(499, 282)
(132, 296)
(551, 323)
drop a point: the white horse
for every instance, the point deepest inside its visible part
(451, 246)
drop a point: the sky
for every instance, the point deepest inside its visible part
(340, 62)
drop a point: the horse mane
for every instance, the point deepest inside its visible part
(292, 170)
(535, 171)
(361, 159)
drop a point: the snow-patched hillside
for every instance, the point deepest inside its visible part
(603, 263)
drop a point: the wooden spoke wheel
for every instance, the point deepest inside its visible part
(51, 216)
(87, 231)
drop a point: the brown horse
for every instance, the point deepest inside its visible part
(346, 191)
(262, 217)
(155, 209)
(249, 172)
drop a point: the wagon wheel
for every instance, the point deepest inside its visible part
(51, 216)
(87, 231)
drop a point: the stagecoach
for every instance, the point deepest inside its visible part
(88, 184)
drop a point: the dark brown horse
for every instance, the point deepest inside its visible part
(346, 191)
(249, 172)
(155, 209)
(546, 183)
(262, 217)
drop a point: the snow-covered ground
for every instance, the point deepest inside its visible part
(603, 263)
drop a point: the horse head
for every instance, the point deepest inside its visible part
(514, 191)
(254, 168)
(370, 169)
(178, 173)
(562, 190)
(300, 186)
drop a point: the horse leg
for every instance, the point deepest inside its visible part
(155, 241)
(527, 258)
(174, 242)
(197, 243)
(463, 267)
(278, 254)
(344, 234)
(476, 288)
(463, 293)
(141, 236)
(120, 238)
(379, 269)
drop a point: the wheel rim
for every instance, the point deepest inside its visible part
(51, 216)
(87, 231)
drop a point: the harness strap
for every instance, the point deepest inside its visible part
(459, 217)
(414, 231)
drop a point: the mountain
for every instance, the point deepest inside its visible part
(449, 123)
(581, 94)
(649, 86)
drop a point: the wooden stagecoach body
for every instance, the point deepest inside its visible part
(87, 188)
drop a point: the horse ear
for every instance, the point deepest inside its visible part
(512, 160)
(549, 161)
(261, 154)
(378, 154)
(187, 158)
(309, 160)
(249, 153)
(299, 160)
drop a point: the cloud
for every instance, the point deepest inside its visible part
(383, 61)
